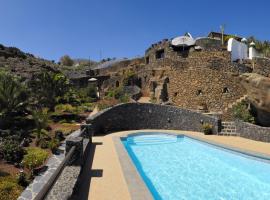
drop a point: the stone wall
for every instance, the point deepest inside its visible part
(202, 78)
(133, 91)
(135, 116)
(182, 54)
(258, 92)
(67, 183)
(262, 66)
(253, 132)
(209, 44)
(192, 87)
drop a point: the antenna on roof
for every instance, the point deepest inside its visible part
(222, 28)
(89, 63)
(100, 55)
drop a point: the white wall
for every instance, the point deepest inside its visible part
(253, 53)
(238, 50)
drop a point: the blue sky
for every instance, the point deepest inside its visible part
(121, 28)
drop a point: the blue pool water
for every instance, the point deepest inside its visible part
(184, 168)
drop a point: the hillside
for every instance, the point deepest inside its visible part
(23, 64)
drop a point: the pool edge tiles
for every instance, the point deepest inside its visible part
(136, 185)
(131, 170)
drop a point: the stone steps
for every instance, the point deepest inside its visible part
(230, 106)
(228, 128)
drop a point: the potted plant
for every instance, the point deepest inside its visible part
(207, 128)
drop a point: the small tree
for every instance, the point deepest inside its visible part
(40, 118)
(241, 111)
(66, 60)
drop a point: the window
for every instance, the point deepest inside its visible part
(117, 83)
(147, 60)
(199, 92)
(160, 54)
(181, 51)
(225, 90)
(145, 78)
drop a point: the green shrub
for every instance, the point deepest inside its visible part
(41, 137)
(34, 158)
(241, 111)
(153, 99)
(48, 88)
(9, 189)
(119, 94)
(106, 103)
(66, 60)
(70, 98)
(60, 108)
(41, 119)
(59, 135)
(124, 98)
(90, 105)
(91, 91)
(22, 179)
(207, 128)
(53, 145)
(87, 94)
(128, 76)
(43, 144)
(12, 151)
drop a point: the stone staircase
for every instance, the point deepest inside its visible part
(228, 128)
(230, 106)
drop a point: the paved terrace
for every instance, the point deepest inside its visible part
(106, 179)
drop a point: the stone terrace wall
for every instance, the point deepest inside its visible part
(209, 44)
(135, 116)
(262, 66)
(192, 87)
(253, 132)
(210, 73)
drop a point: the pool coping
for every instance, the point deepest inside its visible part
(137, 187)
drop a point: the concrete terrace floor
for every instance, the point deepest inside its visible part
(107, 179)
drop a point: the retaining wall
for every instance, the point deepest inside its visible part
(253, 132)
(135, 116)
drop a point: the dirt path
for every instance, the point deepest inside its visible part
(144, 100)
(95, 111)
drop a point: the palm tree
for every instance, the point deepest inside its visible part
(48, 87)
(13, 98)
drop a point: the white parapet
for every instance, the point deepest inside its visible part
(239, 50)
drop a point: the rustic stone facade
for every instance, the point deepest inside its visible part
(207, 78)
(191, 88)
(262, 66)
(189, 77)
(258, 91)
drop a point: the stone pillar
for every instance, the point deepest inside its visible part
(77, 157)
(89, 133)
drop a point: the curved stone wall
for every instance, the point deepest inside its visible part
(253, 132)
(135, 116)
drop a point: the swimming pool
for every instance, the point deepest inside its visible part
(179, 167)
